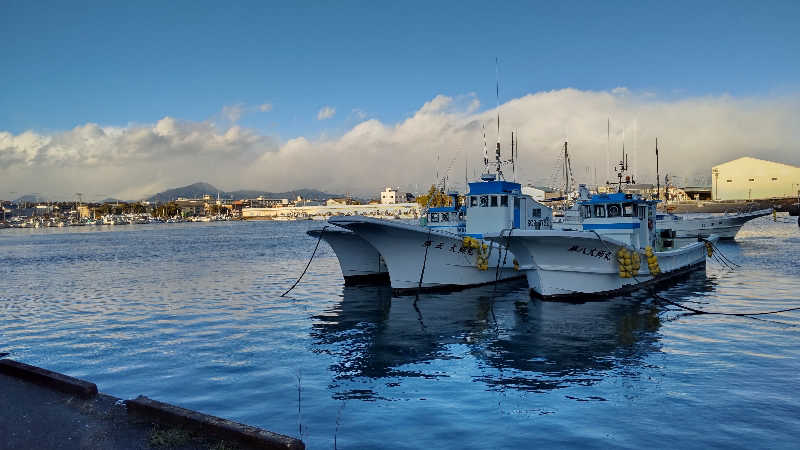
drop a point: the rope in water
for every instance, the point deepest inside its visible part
(309, 262)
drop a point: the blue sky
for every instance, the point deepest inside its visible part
(128, 99)
(70, 63)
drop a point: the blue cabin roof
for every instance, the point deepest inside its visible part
(494, 187)
(617, 197)
(445, 209)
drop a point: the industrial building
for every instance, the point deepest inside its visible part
(752, 179)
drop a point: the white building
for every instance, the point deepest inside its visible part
(536, 193)
(391, 196)
(751, 178)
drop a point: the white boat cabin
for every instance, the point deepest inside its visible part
(624, 217)
(494, 205)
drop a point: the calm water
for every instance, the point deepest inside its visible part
(191, 314)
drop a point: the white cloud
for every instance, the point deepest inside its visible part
(358, 114)
(265, 107)
(694, 134)
(233, 112)
(111, 160)
(326, 113)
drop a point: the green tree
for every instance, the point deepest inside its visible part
(434, 198)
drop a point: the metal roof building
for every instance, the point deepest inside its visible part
(751, 179)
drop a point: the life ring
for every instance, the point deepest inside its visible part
(650, 224)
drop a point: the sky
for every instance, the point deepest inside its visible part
(125, 100)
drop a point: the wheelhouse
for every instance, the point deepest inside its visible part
(494, 205)
(625, 217)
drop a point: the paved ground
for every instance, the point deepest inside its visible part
(37, 417)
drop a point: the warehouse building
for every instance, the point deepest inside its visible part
(752, 179)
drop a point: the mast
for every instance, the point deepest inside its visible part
(513, 168)
(485, 150)
(516, 155)
(608, 145)
(658, 179)
(497, 92)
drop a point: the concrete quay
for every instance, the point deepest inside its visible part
(46, 410)
(402, 210)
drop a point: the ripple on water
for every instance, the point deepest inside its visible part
(195, 318)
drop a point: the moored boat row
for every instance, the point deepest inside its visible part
(499, 233)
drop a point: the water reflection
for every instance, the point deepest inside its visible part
(518, 343)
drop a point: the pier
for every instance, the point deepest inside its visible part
(386, 211)
(52, 410)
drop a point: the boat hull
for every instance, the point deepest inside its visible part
(577, 264)
(448, 265)
(724, 226)
(359, 261)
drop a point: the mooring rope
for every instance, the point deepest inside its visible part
(428, 244)
(309, 262)
(701, 311)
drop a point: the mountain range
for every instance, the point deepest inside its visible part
(197, 190)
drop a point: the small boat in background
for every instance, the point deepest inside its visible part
(724, 226)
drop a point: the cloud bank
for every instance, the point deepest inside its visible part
(326, 113)
(443, 136)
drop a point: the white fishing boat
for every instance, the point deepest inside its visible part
(725, 226)
(357, 256)
(360, 262)
(438, 254)
(616, 249)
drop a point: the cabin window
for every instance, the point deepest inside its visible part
(613, 211)
(494, 201)
(536, 212)
(484, 201)
(473, 201)
(729, 180)
(642, 212)
(434, 217)
(504, 200)
(752, 179)
(586, 212)
(516, 202)
(774, 179)
(445, 217)
(599, 210)
(627, 209)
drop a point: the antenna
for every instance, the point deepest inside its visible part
(497, 93)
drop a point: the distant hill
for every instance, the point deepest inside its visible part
(198, 190)
(30, 198)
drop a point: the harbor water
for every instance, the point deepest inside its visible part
(191, 314)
